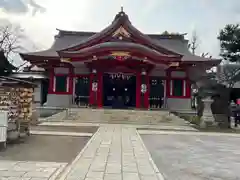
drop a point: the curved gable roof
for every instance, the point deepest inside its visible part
(116, 46)
(121, 20)
(77, 40)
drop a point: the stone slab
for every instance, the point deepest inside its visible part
(27, 170)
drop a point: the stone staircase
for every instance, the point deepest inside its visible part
(114, 116)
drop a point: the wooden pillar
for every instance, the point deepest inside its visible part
(100, 90)
(138, 90)
(93, 88)
(168, 83)
(71, 74)
(188, 88)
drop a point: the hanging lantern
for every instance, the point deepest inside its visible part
(94, 86)
(143, 88)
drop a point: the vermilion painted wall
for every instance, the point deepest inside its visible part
(168, 79)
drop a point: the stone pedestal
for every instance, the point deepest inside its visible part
(207, 113)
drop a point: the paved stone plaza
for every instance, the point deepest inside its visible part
(195, 156)
(114, 153)
(19, 170)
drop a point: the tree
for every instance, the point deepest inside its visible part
(228, 75)
(229, 38)
(10, 36)
(194, 42)
(6, 67)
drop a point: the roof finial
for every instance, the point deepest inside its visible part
(121, 8)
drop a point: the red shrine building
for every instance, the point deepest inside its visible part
(118, 67)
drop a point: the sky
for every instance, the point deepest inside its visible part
(40, 18)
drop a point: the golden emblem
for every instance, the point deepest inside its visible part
(120, 53)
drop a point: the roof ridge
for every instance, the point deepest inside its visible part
(161, 36)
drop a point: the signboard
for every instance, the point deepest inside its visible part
(143, 88)
(94, 86)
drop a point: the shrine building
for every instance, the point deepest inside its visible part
(119, 67)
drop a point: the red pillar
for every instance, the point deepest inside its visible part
(168, 81)
(146, 95)
(188, 88)
(71, 80)
(93, 97)
(100, 90)
(91, 93)
(138, 90)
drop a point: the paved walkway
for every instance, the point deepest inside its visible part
(114, 153)
(18, 170)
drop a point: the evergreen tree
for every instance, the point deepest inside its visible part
(230, 43)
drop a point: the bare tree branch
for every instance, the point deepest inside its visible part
(194, 44)
(10, 39)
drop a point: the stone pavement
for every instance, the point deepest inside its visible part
(195, 155)
(115, 152)
(18, 170)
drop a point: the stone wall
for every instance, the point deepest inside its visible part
(59, 100)
(176, 104)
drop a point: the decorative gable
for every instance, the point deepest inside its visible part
(121, 31)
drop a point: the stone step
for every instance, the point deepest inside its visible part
(113, 116)
(119, 116)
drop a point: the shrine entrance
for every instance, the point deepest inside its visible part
(119, 90)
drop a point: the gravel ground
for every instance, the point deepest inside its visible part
(44, 148)
(79, 129)
(195, 157)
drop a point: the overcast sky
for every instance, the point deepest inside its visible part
(40, 18)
